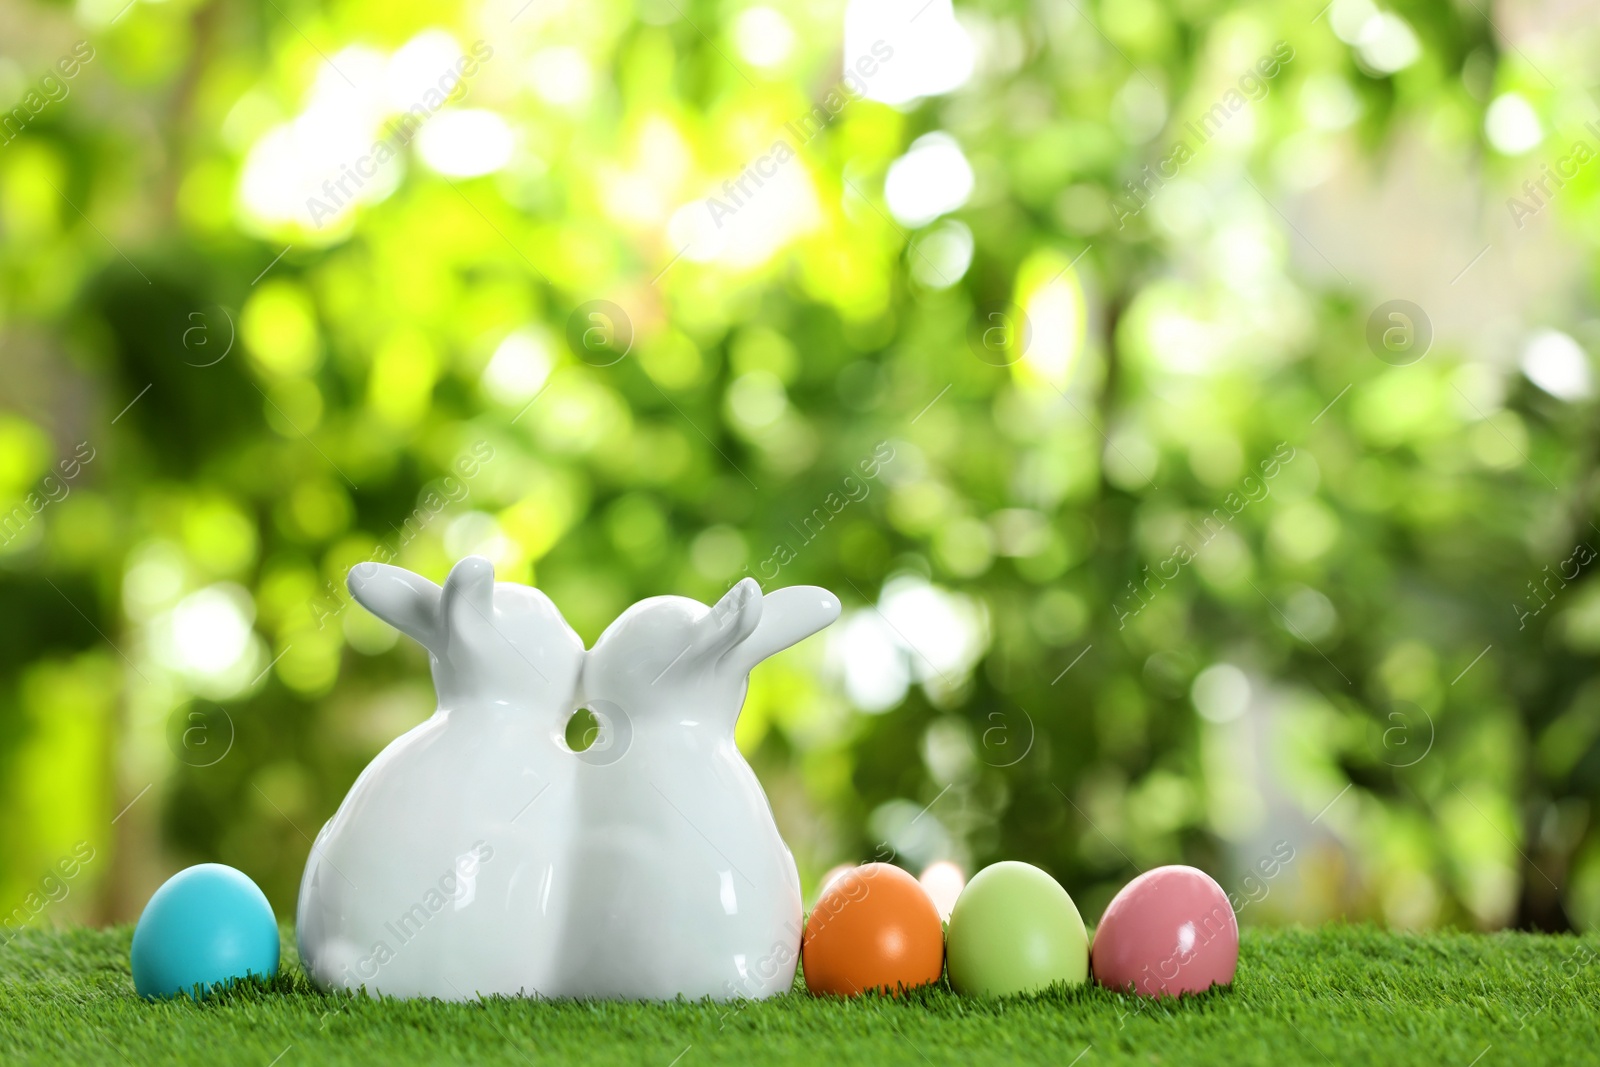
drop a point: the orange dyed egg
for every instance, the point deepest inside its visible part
(874, 927)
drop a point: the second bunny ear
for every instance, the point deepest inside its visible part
(731, 620)
(787, 617)
(468, 594)
(408, 602)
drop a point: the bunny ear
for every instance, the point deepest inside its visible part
(406, 601)
(731, 620)
(787, 617)
(468, 594)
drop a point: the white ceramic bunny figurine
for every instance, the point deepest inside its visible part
(441, 873)
(681, 882)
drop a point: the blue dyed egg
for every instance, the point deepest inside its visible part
(204, 927)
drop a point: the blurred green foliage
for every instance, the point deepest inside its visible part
(1071, 368)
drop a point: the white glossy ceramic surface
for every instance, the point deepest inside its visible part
(681, 882)
(441, 874)
(478, 854)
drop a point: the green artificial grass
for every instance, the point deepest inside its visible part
(1336, 994)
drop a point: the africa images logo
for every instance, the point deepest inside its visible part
(451, 87)
(1251, 86)
(851, 87)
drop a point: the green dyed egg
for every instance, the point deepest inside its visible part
(1014, 930)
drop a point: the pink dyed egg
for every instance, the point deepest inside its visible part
(1171, 930)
